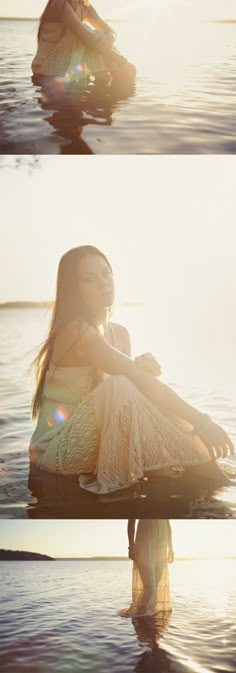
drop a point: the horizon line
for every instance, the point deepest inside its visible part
(22, 303)
(114, 557)
(126, 558)
(36, 18)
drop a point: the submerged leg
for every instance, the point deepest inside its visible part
(147, 598)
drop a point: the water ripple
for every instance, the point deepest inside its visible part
(182, 101)
(76, 627)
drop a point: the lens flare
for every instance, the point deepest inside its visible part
(61, 415)
(79, 67)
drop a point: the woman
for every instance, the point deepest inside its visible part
(151, 551)
(67, 47)
(102, 415)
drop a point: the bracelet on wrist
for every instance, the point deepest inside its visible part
(198, 430)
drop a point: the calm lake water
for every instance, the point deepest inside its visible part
(211, 388)
(182, 102)
(73, 625)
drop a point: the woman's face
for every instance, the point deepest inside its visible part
(96, 284)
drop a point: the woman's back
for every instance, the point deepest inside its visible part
(64, 389)
(69, 379)
(55, 41)
(67, 384)
(54, 50)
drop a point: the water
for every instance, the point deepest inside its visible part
(183, 100)
(201, 383)
(74, 625)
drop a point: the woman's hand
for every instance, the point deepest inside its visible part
(132, 552)
(103, 42)
(171, 555)
(217, 441)
(148, 362)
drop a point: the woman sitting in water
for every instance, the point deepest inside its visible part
(102, 415)
(68, 47)
(150, 550)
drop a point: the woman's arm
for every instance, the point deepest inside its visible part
(92, 39)
(170, 544)
(131, 534)
(122, 339)
(95, 20)
(106, 358)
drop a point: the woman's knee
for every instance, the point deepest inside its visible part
(121, 382)
(110, 396)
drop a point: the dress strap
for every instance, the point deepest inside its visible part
(54, 367)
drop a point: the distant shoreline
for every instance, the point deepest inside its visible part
(50, 304)
(32, 18)
(26, 304)
(10, 555)
(125, 558)
(16, 555)
(18, 18)
(222, 21)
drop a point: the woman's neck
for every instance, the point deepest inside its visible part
(102, 319)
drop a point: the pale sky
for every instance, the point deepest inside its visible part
(71, 538)
(166, 223)
(208, 8)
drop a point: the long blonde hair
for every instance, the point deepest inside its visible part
(67, 306)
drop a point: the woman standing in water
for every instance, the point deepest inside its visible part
(100, 414)
(67, 47)
(150, 550)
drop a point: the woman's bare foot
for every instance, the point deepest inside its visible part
(130, 612)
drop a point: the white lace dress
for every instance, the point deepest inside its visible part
(109, 434)
(150, 577)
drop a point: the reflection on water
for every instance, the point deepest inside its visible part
(151, 629)
(182, 103)
(73, 625)
(149, 632)
(74, 106)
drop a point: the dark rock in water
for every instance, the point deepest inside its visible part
(60, 496)
(9, 555)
